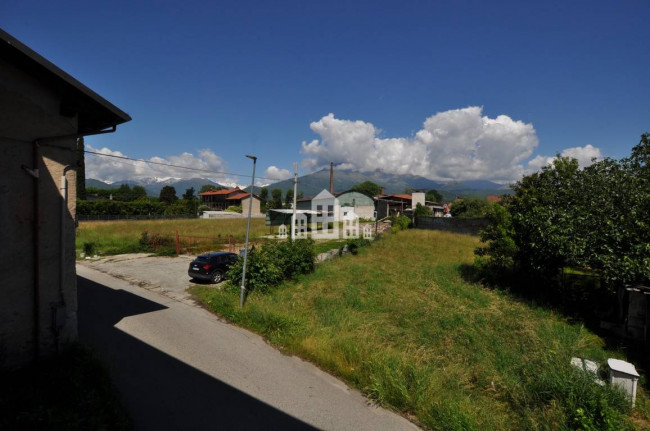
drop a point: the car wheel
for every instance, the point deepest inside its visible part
(217, 276)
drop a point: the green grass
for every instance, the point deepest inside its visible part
(70, 392)
(400, 323)
(117, 237)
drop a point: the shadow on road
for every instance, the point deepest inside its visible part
(161, 392)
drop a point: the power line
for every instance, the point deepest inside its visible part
(177, 166)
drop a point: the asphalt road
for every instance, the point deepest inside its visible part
(179, 367)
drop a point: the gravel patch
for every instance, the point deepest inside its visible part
(164, 275)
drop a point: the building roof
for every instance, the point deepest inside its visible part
(403, 196)
(95, 112)
(238, 196)
(219, 192)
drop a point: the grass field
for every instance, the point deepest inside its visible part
(123, 236)
(399, 322)
(116, 237)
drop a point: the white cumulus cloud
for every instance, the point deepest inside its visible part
(584, 155)
(273, 173)
(459, 144)
(112, 169)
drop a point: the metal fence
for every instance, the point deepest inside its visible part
(112, 217)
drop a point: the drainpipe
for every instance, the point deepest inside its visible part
(36, 243)
(60, 305)
(36, 247)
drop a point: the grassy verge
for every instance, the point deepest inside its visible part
(117, 237)
(399, 322)
(71, 392)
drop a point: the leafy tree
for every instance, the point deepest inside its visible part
(288, 199)
(276, 199)
(434, 195)
(138, 192)
(168, 195)
(264, 194)
(597, 217)
(422, 211)
(123, 193)
(368, 188)
(471, 208)
(189, 194)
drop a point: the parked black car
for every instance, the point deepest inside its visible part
(211, 266)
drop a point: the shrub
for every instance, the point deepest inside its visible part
(355, 244)
(89, 248)
(153, 242)
(400, 223)
(422, 211)
(272, 263)
(234, 209)
(471, 208)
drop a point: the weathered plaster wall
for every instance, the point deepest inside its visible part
(256, 206)
(29, 111)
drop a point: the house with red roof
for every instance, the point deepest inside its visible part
(219, 200)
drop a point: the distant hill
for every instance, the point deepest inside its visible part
(154, 185)
(312, 184)
(97, 184)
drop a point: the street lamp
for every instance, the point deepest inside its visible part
(248, 229)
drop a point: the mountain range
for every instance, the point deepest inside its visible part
(312, 184)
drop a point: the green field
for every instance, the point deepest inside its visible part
(116, 237)
(399, 322)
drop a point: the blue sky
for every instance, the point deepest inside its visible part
(447, 90)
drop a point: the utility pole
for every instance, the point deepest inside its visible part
(248, 229)
(295, 199)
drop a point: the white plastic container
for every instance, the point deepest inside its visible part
(624, 375)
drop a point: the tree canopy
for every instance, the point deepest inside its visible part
(434, 195)
(471, 208)
(168, 195)
(368, 188)
(597, 217)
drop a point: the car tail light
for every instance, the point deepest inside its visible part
(207, 267)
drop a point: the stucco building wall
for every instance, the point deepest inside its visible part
(30, 112)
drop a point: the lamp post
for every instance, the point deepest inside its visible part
(248, 229)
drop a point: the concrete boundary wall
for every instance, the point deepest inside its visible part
(447, 224)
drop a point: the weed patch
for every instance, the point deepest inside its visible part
(401, 322)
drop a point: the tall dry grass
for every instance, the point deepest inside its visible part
(401, 323)
(116, 237)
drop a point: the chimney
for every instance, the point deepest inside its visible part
(331, 177)
(383, 191)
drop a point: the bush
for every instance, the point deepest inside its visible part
(471, 208)
(355, 244)
(106, 207)
(234, 209)
(89, 248)
(400, 223)
(269, 265)
(152, 242)
(422, 211)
